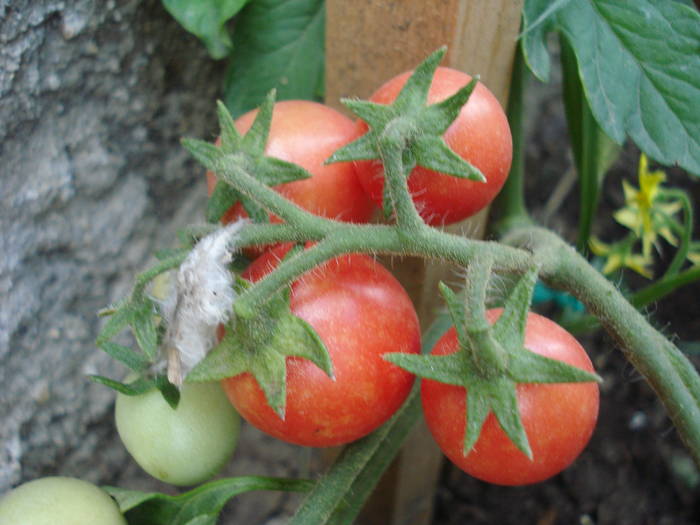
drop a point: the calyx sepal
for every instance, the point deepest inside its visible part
(260, 346)
(245, 153)
(485, 390)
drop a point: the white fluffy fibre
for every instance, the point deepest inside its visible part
(201, 297)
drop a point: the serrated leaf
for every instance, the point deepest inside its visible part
(170, 392)
(135, 388)
(201, 503)
(278, 45)
(118, 320)
(144, 328)
(639, 64)
(207, 19)
(132, 359)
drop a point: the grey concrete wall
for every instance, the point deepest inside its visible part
(94, 96)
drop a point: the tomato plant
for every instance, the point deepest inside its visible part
(360, 312)
(558, 418)
(306, 133)
(182, 446)
(59, 501)
(480, 134)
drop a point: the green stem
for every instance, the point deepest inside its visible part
(396, 181)
(663, 365)
(664, 286)
(349, 238)
(275, 203)
(686, 237)
(509, 208)
(488, 355)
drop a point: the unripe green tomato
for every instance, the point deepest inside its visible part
(185, 446)
(59, 501)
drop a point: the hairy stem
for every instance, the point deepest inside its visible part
(662, 364)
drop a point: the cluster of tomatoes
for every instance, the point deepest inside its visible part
(361, 312)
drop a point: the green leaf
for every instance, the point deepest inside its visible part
(198, 506)
(118, 320)
(594, 152)
(260, 346)
(170, 392)
(638, 62)
(207, 19)
(144, 328)
(135, 388)
(278, 45)
(132, 359)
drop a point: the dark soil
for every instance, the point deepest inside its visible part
(635, 471)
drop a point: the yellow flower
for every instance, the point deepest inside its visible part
(619, 255)
(644, 214)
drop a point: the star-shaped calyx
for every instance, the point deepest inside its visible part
(408, 133)
(260, 346)
(245, 153)
(491, 362)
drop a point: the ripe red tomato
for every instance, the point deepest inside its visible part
(360, 312)
(306, 133)
(480, 134)
(558, 418)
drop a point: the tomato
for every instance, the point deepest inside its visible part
(307, 133)
(185, 446)
(59, 501)
(360, 311)
(558, 418)
(480, 134)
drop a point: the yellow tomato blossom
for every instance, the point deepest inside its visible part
(619, 255)
(643, 213)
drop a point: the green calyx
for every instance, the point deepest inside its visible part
(243, 153)
(260, 346)
(491, 360)
(408, 133)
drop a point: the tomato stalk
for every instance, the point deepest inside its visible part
(662, 364)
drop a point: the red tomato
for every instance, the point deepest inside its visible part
(361, 312)
(558, 418)
(306, 133)
(480, 134)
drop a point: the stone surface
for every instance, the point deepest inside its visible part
(94, 97)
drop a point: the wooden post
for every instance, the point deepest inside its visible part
(367, 43)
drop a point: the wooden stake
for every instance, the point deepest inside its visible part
(367, 43)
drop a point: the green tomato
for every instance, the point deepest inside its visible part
(185, 446)
(59, 501)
